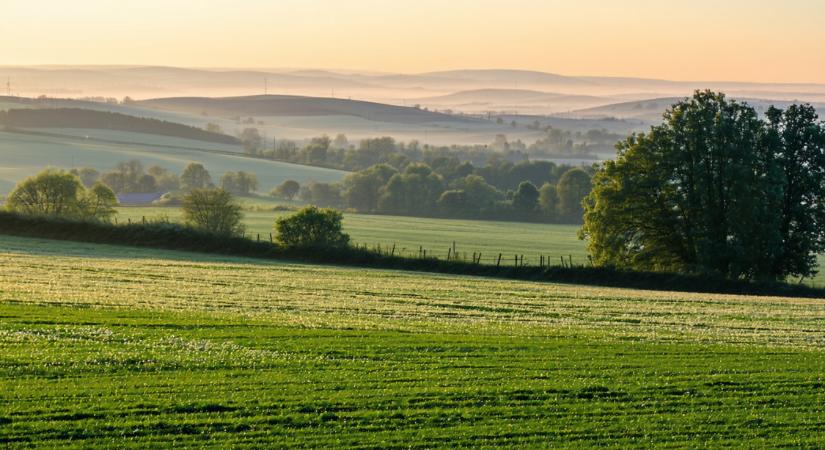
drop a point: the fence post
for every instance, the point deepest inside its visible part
(270, 238)
(479, 258)
(562, 261)
(455, 255)
(449, 250)
(516, 263)
(144, 220)
(571, 261)
(498, 263)
(541, 261)
(392, 253)
(259, 237)
(129, 219)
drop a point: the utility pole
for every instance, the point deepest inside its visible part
(8, 86)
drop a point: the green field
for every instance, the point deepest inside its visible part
(435, 235)
(23, 155)
(104, 346)
(409, 233)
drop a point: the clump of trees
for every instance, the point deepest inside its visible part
(714, 189)
(312, 227)
(239, 183)
(451, 189)
(60, 193)
(213, 210)
(286, 190)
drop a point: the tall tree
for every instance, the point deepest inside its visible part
(195, 176)
(706, 190)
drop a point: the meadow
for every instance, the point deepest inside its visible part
(105, 346)
(23, 155)
(409, 234)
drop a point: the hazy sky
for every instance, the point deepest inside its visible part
(747, 40)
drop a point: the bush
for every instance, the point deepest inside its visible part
(312, 227)
(213, 210)
(61, 194)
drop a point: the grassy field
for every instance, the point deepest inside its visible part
(435, 235)
(23, 155)
(105, 346)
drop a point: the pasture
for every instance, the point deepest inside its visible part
(105, 346)
(22, 155)
(408, 234)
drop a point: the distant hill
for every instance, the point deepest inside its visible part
(289, 105)
(93, 119)
(652, 110)
(514, 99)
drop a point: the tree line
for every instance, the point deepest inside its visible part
(131, 177)
(530, 191)
(339, 153)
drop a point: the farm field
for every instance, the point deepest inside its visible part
(435, 235)
(409, 233)
(23, 155)
(104, 346)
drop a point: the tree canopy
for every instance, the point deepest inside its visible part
(714, 189)
(312, 227)
(59, 193)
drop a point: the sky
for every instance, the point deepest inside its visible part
(708, 40)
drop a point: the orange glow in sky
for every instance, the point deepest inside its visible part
(742, 40)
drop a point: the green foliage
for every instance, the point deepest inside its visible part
(526, 198)
(709, 191)
(213, 210)
(239, 183)
(573, 186)
(99, 202)
(287, 190)
(195, 176)
(548, 200)
(312, 227)
(61, 194)
(363, 189)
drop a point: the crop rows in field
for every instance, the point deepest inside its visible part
(104, 346)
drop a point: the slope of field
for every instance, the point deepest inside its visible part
(92, 119)
(290, 105)
(105, 346)
(23, 155)
(436, 236)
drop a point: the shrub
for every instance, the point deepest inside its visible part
(213, 210)
(61, 194)
(312, 227)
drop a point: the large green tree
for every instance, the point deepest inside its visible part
(703, 192)
(59, 193)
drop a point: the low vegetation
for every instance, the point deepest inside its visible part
(163, 348)
(57, 193)
(89, 118)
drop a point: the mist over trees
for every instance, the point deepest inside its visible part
(714, 189)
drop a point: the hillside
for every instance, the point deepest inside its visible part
(92, 119)
(289, 105)
(23, 154)
(652, 110)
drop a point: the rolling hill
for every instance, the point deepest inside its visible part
(289, 105)
(92, 119)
